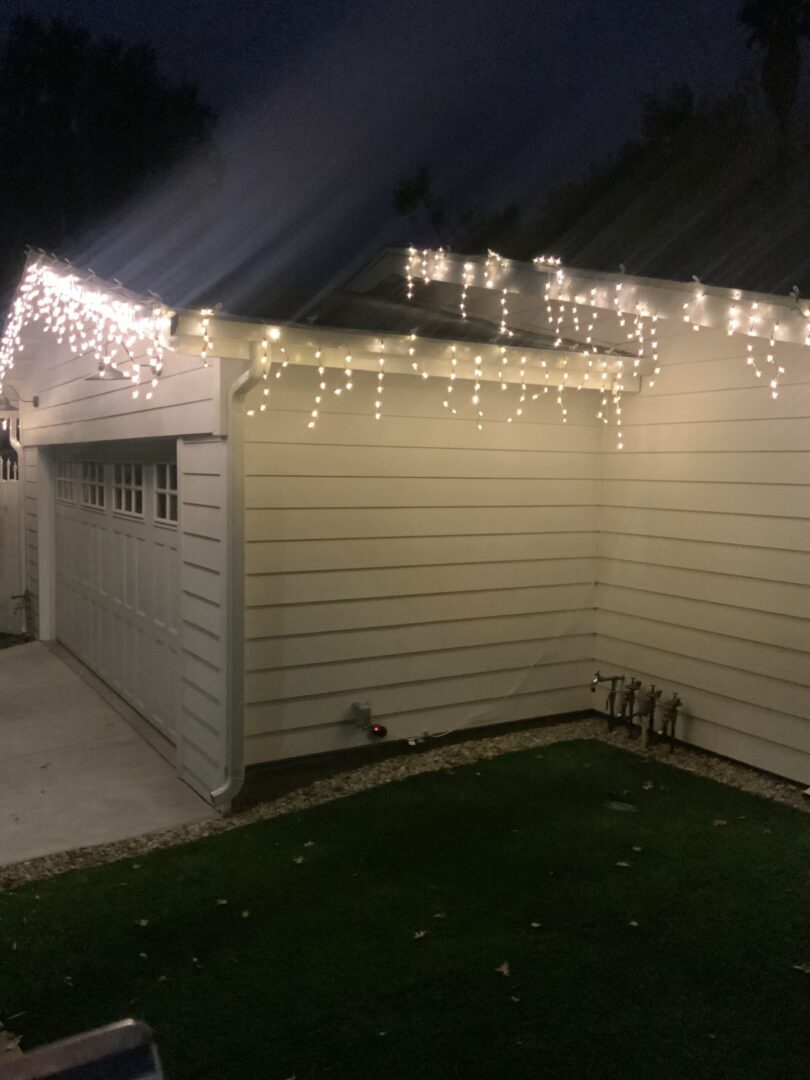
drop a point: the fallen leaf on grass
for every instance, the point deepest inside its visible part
(246, 914)
(719, 821)
(504, 969)
(143, 955)
(636, 847)
(419, 934)
(440, 915)
(298, 859)
(622, 807)
(220, 902)
(536, 925)
(143, 922)
(803, 967)
(648, 785)
(632, 923)
(515, 999)
(622, 863)
(309, 843)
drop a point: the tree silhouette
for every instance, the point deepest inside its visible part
(415, 195)
(777, 27)
(83, 125)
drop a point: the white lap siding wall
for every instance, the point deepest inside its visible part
(441, 573)
(705, 555)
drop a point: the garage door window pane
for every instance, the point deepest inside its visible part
(64, 481)
(128, 487)
(166, 492)
(93, 484)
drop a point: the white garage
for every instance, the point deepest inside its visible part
(455, 518)
(117, 580)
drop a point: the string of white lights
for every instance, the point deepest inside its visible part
(91, 317)
(475, 397)
(378, 404)
(447, 402)
(323, 386)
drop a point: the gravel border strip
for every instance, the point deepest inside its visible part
(731, 773)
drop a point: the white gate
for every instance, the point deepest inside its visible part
(117, 575)
(11, 579)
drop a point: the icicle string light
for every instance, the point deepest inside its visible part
(90, 318)
(378, 404)
(447, 403)
(475, 397)
(323, 386)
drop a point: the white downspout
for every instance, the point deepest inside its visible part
(223, 796)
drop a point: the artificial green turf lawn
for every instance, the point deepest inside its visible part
(325, 978)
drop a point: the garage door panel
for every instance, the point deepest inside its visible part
(118, 595)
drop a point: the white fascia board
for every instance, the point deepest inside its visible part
(299, 346)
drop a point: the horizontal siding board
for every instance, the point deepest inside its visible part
(432, 521)
(737, 559)
(190, 417)
(727, 372)
(763, 467)
(316, 679)
(789, 535)
(73, 398)
(200, 708)
(400, 641)
(300, 556)
(780, 631)
(787, 667)
(406, 396)
(308, 459)
(208, 491)
(205, 646)
(204, 551)
(201, 457)
(749, 403)
(782, 500)
(205, 583)
(360, 429)
(204, 676)
(772, 596)
(201, 613)
(343, 615)
(327, 586)
(414, 697)
(790, 761)
(204, 521)
(405, 492)
(664, 436)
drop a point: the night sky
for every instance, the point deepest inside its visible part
(324, 106)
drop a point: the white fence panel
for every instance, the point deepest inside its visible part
(11, 580)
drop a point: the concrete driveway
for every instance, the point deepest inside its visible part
(74, 768)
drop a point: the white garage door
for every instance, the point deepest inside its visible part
(117, 579)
